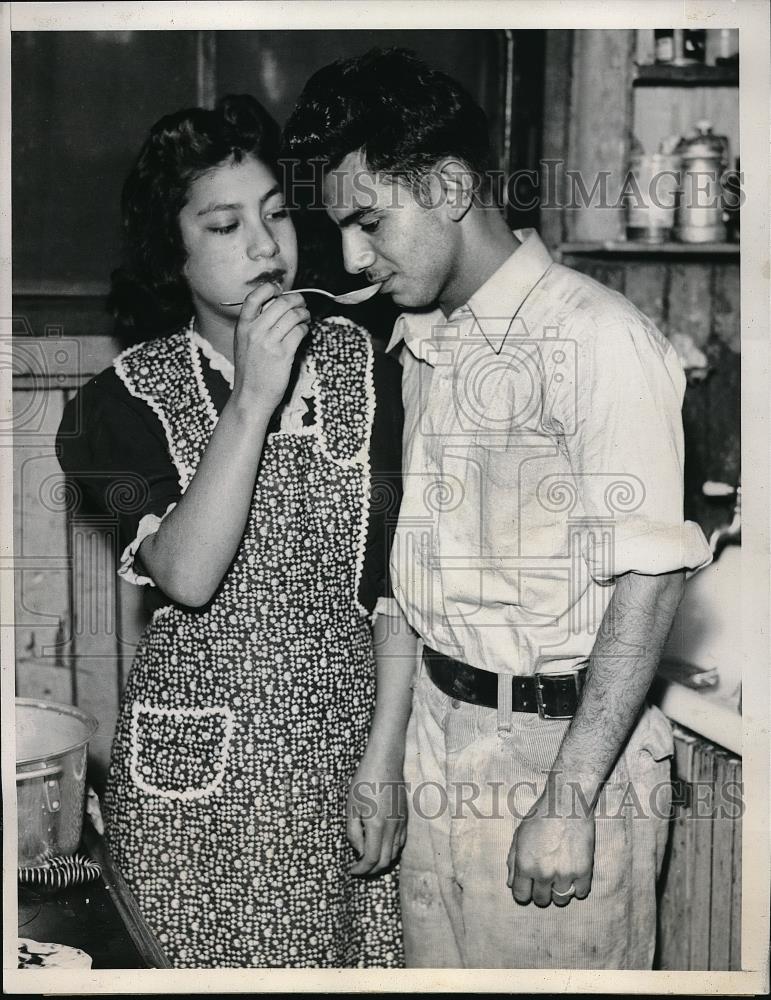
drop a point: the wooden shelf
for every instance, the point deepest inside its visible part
(633, 248)
(690, 75)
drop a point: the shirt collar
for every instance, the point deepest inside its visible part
(494, 305)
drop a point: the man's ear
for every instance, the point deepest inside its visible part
(458, 183)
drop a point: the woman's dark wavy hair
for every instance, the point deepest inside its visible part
(149, 294)
(403, 115)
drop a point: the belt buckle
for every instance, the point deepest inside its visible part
(542, 711)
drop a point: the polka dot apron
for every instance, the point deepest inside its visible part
(243, 722)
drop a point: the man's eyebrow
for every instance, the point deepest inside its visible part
(269, 194)
(221, 207)
(353, 218)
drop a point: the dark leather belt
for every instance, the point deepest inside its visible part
(552, 696)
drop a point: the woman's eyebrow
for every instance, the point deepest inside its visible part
(221, 207)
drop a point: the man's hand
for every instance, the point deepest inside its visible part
(551, 853)
(553, 848)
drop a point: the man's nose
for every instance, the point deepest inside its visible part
(358, 255)
(261, 244)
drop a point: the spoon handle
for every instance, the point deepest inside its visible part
(347, 298)
(318, 291)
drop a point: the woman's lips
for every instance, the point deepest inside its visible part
(276, 276)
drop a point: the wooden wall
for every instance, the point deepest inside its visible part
(76, 624)
(702, 300)
(591, 110)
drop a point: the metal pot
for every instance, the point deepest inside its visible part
(51, 750)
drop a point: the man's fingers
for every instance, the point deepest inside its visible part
(511, 862)
(583, 886)
(541, 893)
(563, 890)
(522, 888)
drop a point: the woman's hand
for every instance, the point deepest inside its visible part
(377, 811)
(268, 333)
(194, 546)
(377, 797)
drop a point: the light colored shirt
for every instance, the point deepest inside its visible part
(543, 457)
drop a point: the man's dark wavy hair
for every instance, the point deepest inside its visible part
(149, 294)
(403, 115)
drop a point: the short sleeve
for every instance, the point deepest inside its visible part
(620, 410)
(112, 448)
(375, 591)
(146, 527)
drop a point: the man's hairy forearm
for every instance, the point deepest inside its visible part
(621, 668)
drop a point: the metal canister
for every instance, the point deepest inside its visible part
(651, 197)
(700, 198)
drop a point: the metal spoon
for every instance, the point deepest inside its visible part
(346, 299)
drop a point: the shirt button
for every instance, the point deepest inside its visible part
(455, 703)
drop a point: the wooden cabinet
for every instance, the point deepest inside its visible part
(700, 888)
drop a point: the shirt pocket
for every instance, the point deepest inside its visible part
(180, 753)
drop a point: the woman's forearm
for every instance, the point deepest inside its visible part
(395, 655)
(194, 545)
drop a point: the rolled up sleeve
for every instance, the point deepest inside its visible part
(626, 451)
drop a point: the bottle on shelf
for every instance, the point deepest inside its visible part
(679, 46)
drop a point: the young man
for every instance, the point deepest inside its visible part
(541, 548)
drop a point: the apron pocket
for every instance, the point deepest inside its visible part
(179, 753)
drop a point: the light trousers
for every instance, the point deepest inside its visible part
(469, 785)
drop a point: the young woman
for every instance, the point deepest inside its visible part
(251, 457)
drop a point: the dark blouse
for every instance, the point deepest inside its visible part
(113, 448)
